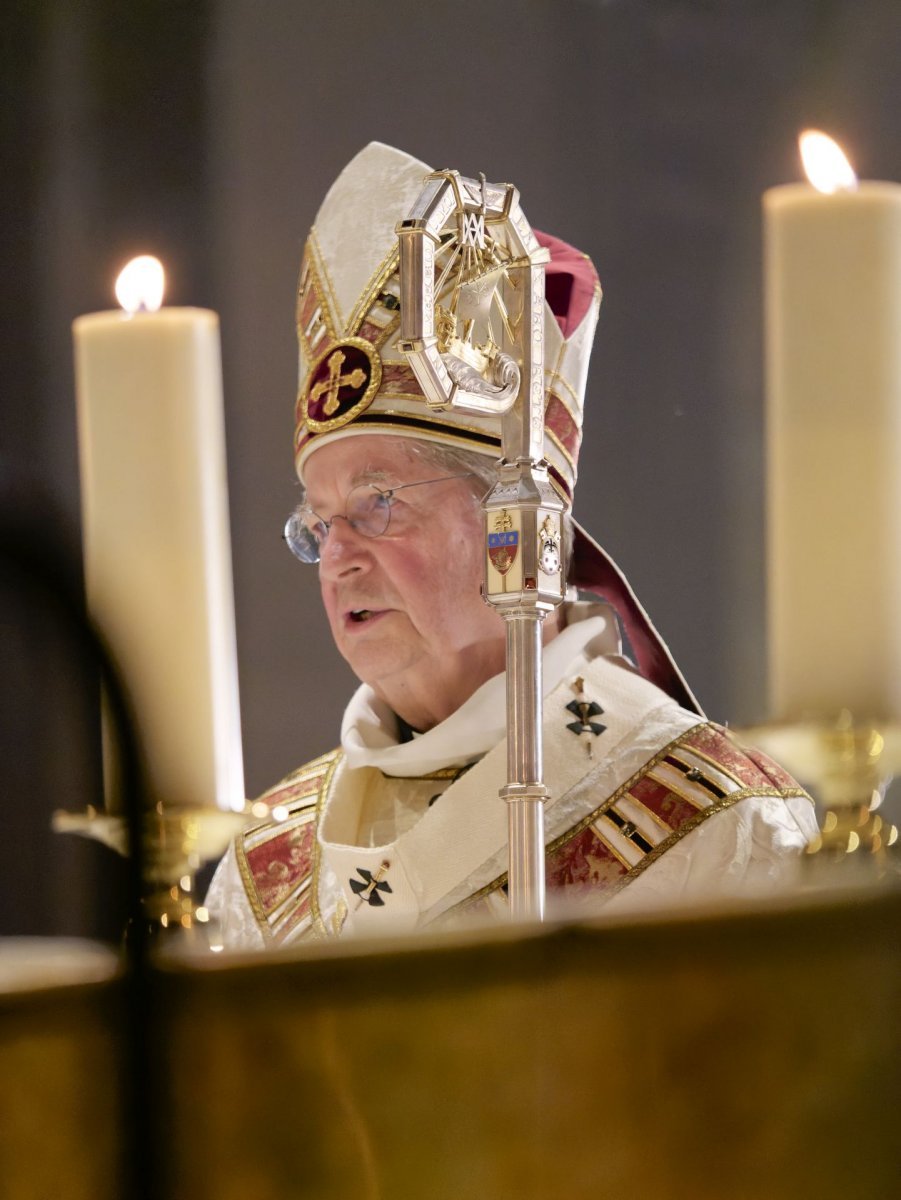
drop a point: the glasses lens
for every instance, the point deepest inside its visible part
(369, 510)
(304, 533)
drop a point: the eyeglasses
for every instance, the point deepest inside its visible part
(367, 510)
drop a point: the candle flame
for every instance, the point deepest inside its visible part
(139, 287)
(825, 162)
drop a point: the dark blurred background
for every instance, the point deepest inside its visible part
(642, 131)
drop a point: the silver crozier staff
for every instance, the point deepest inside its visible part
(472, 324)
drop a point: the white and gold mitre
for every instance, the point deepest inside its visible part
(353, 377)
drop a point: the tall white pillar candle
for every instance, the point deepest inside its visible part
(833, 352)
(156, 540)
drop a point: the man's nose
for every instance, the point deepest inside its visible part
(343, 550)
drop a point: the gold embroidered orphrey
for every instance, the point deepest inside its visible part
(696, 775)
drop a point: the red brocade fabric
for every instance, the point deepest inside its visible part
(586, 863)
(583, 864)
(279, 864)
(277, 857)
(570, 282)
(559, 420)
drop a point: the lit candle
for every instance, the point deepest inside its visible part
(833, 338)
(156, 536)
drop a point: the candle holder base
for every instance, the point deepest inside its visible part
(177, 842)
(848, 765)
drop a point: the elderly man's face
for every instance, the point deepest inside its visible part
(404, 608)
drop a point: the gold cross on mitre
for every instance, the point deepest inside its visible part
(331, 386)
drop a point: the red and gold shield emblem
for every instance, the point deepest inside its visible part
(502, 549)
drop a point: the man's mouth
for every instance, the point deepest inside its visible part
(363, 616)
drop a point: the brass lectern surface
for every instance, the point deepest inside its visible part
(748, 1055)
(61, 1071)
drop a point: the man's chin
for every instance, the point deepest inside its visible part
(378, 665)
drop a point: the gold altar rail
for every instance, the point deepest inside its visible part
(718, 1056)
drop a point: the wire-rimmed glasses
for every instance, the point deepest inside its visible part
(367, 510)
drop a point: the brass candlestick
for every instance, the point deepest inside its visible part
(848, 764)
(176, 844)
